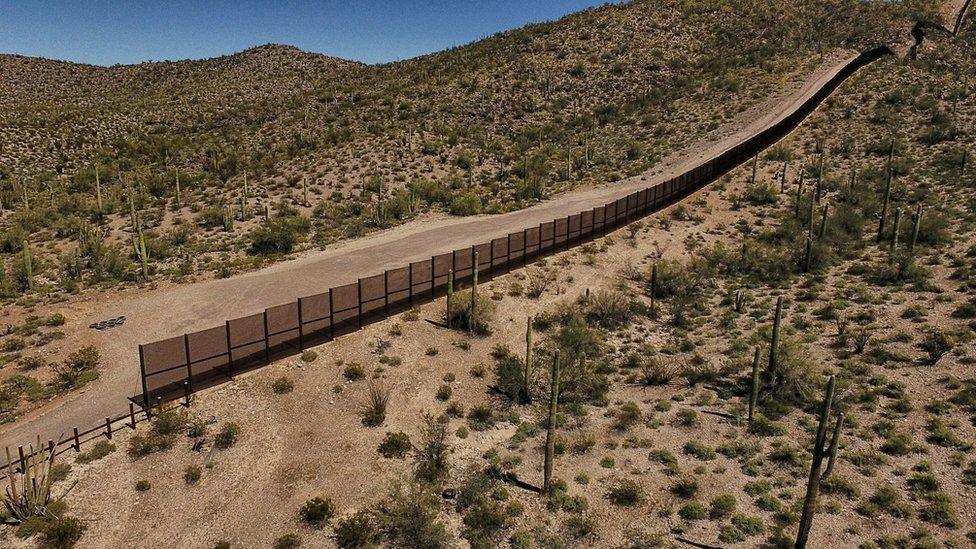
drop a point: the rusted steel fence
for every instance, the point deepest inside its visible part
(175, 367)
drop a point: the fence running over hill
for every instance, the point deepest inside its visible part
(176, 367)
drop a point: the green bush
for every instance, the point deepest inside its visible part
(722, 507)
(288, 541)
(282, 385)
(410, 518)
(192, 474)
(356, 531)
(625, 492)
(395, 445)
(62, 532)
(101, 449)
(317, 511)
(227, 436)
(693, 510)
(280, 235)
(465, 204)
(460, 316)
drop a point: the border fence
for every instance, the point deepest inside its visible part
(182, 365)
(179, 366)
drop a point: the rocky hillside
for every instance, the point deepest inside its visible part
(488, 127)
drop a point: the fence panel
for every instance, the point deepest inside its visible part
(421, 282)
(345, 309)
(373, 298)
(560, 233)
(398, 284)
(499, 256)
(283, 333)
(316, 318)
(247, 341)
(517, 247)
(462, 261)
(547, 233)
(209, 357)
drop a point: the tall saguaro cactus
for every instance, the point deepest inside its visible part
(527, 373)
(551, 426)
(896, 226)
(774, 340)
(813, 482)
(450, 296)
(474, 293)
(754, 393)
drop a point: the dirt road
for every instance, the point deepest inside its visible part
(169, 311)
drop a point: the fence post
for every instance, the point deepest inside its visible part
(230, 351)
(132, 416)
(525, 247)
(410, 283)
(23, 463)
(142, 370)
(186, 394)
(301, 327)
(568, 245)
(359, 303)
(331, 317)
(267, 342)
(508, 255)
(189, 367)
(386, 294)
(77, 444)
(108, 428)
(491, 259)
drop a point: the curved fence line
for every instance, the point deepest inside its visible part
(182, 365)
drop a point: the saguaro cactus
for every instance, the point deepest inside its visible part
(450, 296)
(527, 373)
(754, 393)
(813, 482)
(98, 191)
(179, 198)
(894, 230)
(755, 168)
(823, 222)
(474, 293)
(916, 224)
(799, 195)
(143, 257)
(305, 191)
(774, 340)
(28, 267)
(551, 426)
(832, 451)
(782, 180)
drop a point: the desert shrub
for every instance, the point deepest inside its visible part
(625, 492)
(460, 312)
(748, 525)
(722, 506)
(317, 511)
(78, 368)
(685, 487)
(625, 417)
(288, 541)
(608, 309)
(443, 393)
(101, 449)
(936, 343)
(431, 454)
(61, 532)
(410, 517)
(539, 281)
(699, 449)
(191, 475)
(394, 445)
(280, 235)
(510, 376)
(143, 486)
(796, 379)
(939, 511)
(353, 371)
(373, 411)
(761, 194)
(356, 531)
(481, 417)
(465, 204)
(282, 385)
(309, 356)
(162, 433)
(227, 436)
(693, 510)
(656, 371)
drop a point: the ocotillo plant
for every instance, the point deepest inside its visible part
(474, 293)
(774, 340)
(527, 373)
(916, 224)
(754, 393)
(450, 295)
(813, 482)
(551, 426)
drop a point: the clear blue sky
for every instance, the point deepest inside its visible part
(106, 32)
